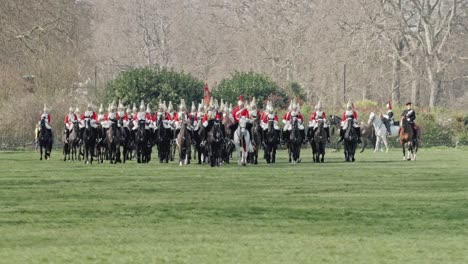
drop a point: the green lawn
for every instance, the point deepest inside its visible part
(377, 210)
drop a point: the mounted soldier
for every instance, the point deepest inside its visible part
(268, 115)
(388, 118)
(350, 113)
(70, 118)
(100, 116)
(141, 116)
(46, 117)
(181, 116)
(294, 113)
(410, 116)
(317, 115)
(89, 114)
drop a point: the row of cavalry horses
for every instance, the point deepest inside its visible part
(118, 143)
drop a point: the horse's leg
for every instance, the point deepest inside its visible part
(403, 148)
(364, 144)
(377, 144)
(385, 141)
(273, 155)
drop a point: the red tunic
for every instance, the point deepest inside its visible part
(48, 118)
(265, 117)
(165, 114)
(241, 113)
(314, 116)
(106, 117)
(68, 121)
(93, 116)
(288, 117)
(176, 116)
(343, 118)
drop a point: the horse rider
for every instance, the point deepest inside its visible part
(317, 115)
(208, 120)
(243, 112)
(163, 115)
(388, 118)
(112, 117)
(200, 113)
(46, 116)
(410, 116)
(122, 113)
(253, 112)
(180, 116)
(141, 115)
(349, 113)
(70, 118)
(294, 113)
(128, 116)
(194, 117)
(267, 115)
(100, 116)
(285, 122)
(170, 110)
(91, 115)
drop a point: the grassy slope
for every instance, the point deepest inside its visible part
(377, 210)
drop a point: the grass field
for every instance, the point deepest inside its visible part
(377, 210)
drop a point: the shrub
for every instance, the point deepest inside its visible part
(151, 84)
(250, 84)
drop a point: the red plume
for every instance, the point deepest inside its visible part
(206, 94)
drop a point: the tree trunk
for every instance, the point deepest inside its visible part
(415, 82)
(396, 79)
(434, 79)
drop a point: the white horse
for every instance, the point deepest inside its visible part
(242, 142)
(380, 131)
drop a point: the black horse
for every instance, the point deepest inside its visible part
(350, 141)
(125, 142)
(215, 144)
(256, 139)
(101, 146)
(113, 142)
(271, 141)
(295, 142)
(89, 141)
(162, 139)
(335, 125)
(318, 141)
(142, 140)
(45, 139)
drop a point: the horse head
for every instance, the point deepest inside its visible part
(371, 118)
(43, 127)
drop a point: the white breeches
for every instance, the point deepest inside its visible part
(314, 124)
(46, 124)
(265, 126)
(288, 126)
(344, 125)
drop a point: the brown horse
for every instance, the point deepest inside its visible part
(408, 139)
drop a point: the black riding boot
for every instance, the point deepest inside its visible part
(358, 132)
(278, 135)
(341, 135)
(327, 130)
(67, 132)
(203, 135)
(304, 139)
(286, 136)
